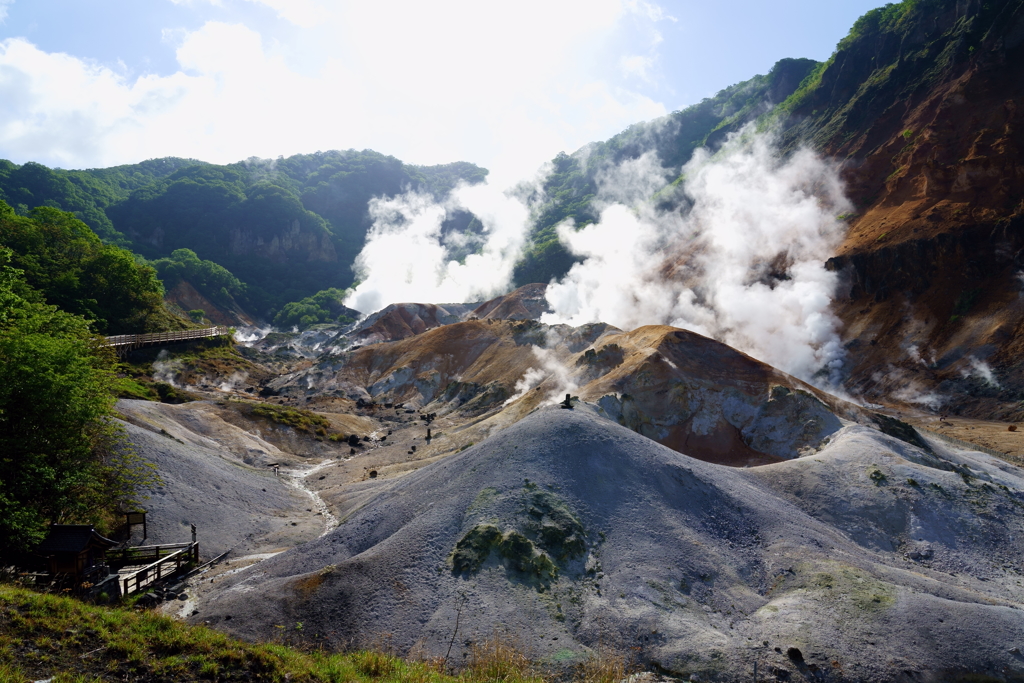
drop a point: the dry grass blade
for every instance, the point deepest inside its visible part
(499, 658)
(604, 667)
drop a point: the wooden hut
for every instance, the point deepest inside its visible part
(76, 550)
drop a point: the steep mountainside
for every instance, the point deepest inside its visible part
(922, 103)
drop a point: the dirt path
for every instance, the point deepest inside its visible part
(199, 584)
(298, 477)
(988, 434)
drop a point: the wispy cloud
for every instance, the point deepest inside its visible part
(304, 13)
(651, 10)
(428, 82)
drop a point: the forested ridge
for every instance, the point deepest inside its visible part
(281, 229)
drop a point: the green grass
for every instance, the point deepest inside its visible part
(48, 635)
(297, 418)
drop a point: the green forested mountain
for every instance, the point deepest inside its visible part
(284, 229)
(87, 194)
(288, 228)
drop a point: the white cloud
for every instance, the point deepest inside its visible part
(636, 65)
(4, 6)
(651, 10)
(304, 13)
(506, 86)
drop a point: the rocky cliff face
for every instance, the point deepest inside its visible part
(922, 104)
(292, 245)
(188, 298)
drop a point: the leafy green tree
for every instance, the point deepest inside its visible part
(214, 281)
(325, 306)
(60, 452)
(65, 262)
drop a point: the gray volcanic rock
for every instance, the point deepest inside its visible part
(871, 560)
(525, 303)
(233, 505)
(399, 321)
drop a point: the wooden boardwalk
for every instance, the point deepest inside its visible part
(162, 561)
(123, 343)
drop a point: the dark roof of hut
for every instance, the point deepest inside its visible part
(72, 538)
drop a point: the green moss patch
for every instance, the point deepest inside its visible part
(518, 552)
(548, 536)
(554, 527)
(296, 418)
(474, 548)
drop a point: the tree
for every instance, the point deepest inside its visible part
(62, 456)
(68, 265)
(325, 306)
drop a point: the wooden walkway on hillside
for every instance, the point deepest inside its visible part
(141, 567)
(124, 343)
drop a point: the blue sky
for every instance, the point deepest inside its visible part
(86, 83)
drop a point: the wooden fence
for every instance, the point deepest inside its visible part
(126, 342)
(165, 560)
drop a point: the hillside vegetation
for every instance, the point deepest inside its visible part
(285, 229)
(46, 636)
(62, 458)
(66, 265)
(573, 185)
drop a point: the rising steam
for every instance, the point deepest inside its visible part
(408, 257)
(744, 265)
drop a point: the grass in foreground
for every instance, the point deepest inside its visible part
(44, 636)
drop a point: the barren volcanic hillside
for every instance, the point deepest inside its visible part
(678, 388)
(689, 505)
(576, 533)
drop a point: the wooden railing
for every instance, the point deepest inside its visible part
(121, 557)
(182, 554)
(137, 340)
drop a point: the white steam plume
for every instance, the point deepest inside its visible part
(248, 335)
(744, 265)
(166, 370)
(980, 369)
(407, 258)
(235, 382)
(908, 389)
(551, 370)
